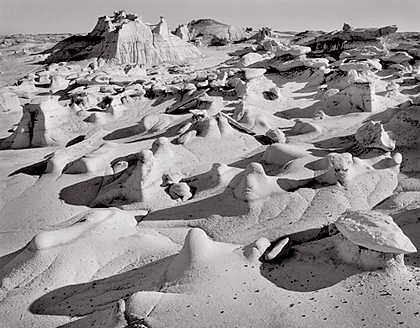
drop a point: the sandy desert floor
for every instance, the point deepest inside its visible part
(161, 200)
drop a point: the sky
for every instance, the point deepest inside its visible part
(80, 16)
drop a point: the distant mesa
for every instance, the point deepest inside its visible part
(125, 39)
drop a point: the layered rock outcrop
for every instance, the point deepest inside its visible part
(349, 39)
(125, 39)
(211, 32)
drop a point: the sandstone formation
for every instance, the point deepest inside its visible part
(338, 41)
(375, 231)
(125, 39)
(41, 125)
(359, 96)
(404, 127)
(182, 32)
(213, 192)
(185, 279)
(213, 33)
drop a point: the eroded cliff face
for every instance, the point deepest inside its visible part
(132, 42)
(126, 39)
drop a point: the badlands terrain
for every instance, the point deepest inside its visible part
(211, 177)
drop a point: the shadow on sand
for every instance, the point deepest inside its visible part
(82, 193)
(138, 130)
(223, 204)
(310, 264)
(34, 169)
(307, 274)
(297, 112)
(85, 298)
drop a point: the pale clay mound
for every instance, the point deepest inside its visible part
(255, 185)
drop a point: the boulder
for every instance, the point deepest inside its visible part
(58, 82)
(374, 230)
(180, 190)
(252, 73)
(372, 135)
(249, 59)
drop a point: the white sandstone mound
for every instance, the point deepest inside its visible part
(93, 245)
(44, 123)
(299, 167)
(139, 184)
(58, 82)
(76, 158)
(249, 59)
(84, 159)
(376, 231)
(49, 239)
(257, 120)
(182, 32)
(106, 227)
(255, 185)
(193, 273)
(214, 127)
(198, 249)
(281, 154)
(217, 179)
(125, 39)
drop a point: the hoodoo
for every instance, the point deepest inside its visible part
(125, 39)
